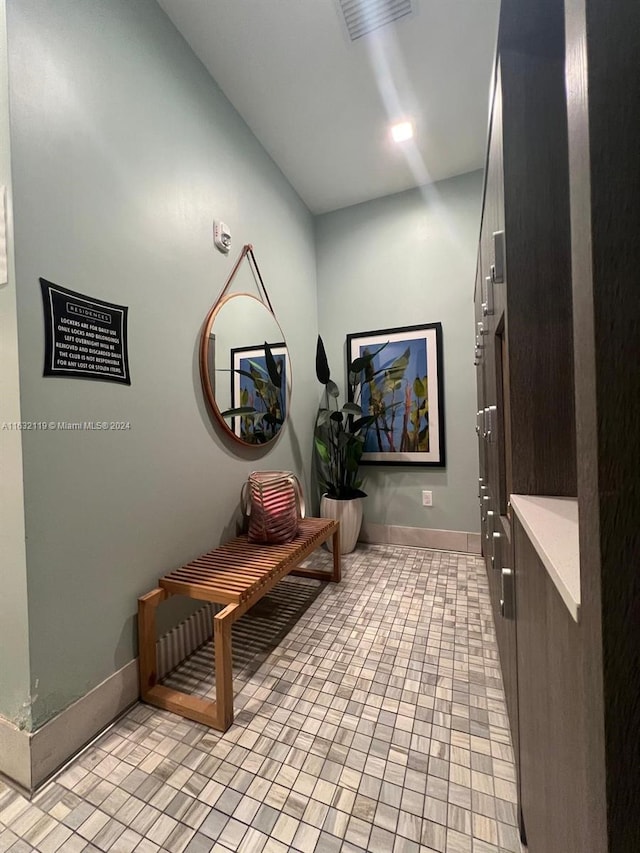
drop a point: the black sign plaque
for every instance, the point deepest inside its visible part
(84, 338)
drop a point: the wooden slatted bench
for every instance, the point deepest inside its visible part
(237, 574)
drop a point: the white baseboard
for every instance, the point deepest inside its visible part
(15, 754)
(59, 739)
(421, 537)
(30, 758)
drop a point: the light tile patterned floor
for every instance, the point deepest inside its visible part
(370, 716)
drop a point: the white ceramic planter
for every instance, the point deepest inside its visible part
(349, 514)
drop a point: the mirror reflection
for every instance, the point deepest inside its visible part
(246, 370)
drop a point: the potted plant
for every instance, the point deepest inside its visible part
(340, 434)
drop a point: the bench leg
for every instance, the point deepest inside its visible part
(322, 574)
(224, 669)
(192, 707)
(148, 668)
(337, 574)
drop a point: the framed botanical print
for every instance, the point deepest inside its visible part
(402, 388)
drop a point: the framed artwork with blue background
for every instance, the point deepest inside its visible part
(251, 387)
(403, 390)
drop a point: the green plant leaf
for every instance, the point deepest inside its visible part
(234, 370)
(332, 389)
(361, 423)
(324, 485)
(322, 365)
(241, 410)
(356, 493)
(398, 367)
(365, 360)
(361, 362)
(353, 456)
(352, 409)
(343, 440)
(418, 387)
(323, 417)
(258, 368)
(322, 449)
(402, 360)
(272, 368)
(390, 408)
(337, 416)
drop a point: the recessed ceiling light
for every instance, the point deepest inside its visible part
(402, 131)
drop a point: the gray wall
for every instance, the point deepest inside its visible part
(123, 152)
(14, 635)
(398, 261)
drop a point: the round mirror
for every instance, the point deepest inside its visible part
(245, 369)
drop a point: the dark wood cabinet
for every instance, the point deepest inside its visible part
(557, 312)
(553, 712)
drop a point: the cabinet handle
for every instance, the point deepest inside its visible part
(484, 507)
(486, 431)
(489, 294)
(507, 601)
(495, 563)
(490, 413)
(488, 300)
(497, 269)
(494, 539)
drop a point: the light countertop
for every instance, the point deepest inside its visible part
(552, 526)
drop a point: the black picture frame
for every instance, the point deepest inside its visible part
(403, 434)
(238, 357)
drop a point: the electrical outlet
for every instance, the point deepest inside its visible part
(427, 498)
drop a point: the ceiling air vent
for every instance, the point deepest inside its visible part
(364, 16)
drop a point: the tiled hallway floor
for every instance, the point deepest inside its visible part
(377, 723)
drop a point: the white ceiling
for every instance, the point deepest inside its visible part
(321, 104)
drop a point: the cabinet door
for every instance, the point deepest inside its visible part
(479, 362)
(554, 747)
(505, 616)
